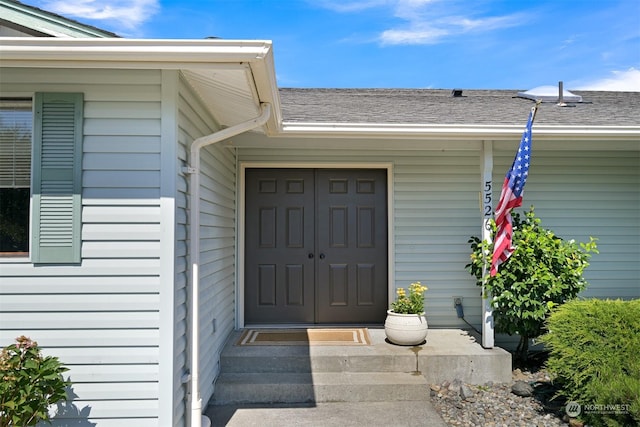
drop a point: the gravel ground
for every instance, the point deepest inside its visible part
(497, 405)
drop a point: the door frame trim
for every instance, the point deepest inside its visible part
(241, 218)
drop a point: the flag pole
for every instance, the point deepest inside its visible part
(488, 334)
(508, 200)
(535, 109)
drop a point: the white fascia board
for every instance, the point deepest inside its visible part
(418, 131)
(136, 53)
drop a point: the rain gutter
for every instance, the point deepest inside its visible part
(197, 418)
(439, 132)
(128, 53)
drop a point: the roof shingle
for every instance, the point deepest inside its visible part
(438, 106)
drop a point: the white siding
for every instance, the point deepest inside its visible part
(436, 211)
(172, 342)
(217, 237)
(101, 318)
(182, 261)
(217, 259)
(578, 194)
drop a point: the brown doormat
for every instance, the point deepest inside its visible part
(338, 336)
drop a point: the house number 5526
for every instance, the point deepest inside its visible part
(486, 200)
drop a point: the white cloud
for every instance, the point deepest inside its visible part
(485, 24)
(425, 21)
(430, 31)
(619, 81)
(350, 6)
(126, 14)
(414, 36)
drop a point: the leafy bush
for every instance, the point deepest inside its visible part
(595, 358)
(543, 271)
(30, 384)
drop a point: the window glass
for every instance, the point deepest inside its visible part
(16, 123)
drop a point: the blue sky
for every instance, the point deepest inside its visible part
(440, 44)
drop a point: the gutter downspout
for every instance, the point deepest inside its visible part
(197, 418)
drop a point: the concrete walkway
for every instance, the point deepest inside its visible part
(334, 414)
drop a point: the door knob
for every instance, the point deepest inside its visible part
(321, 256)
(310, 256)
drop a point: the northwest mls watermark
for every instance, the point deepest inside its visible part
(574, 409)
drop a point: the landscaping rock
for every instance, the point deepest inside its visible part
(522, 389)
(466, 392)
(494, 404)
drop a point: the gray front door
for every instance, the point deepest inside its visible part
(316, 246)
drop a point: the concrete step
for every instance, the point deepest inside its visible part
(334, 362)
(240, 388)
(379, 372)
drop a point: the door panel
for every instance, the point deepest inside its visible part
(351, 284)
(316, 246)
(279, 276)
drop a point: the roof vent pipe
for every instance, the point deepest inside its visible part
(560, 93)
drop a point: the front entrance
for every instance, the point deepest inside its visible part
(316, 246)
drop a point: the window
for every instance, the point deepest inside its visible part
(16, 124)
(41, 177)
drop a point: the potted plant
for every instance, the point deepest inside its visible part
(406, 323)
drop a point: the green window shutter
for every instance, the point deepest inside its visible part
(57, 178)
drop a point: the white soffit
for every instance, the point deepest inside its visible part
(227, 93)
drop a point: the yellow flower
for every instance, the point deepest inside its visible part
(410, 301)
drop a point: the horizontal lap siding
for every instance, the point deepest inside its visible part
(217, 236)
(590, 193)
(435, 211)
(101, 318)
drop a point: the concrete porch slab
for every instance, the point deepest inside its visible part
(448, 354)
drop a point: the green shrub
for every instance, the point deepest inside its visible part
(543, 271)
(30, 384)
(595, 358)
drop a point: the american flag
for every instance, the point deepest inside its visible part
(511, 197)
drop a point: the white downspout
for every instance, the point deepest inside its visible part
(197, 418)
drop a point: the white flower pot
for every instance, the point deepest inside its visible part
(405, 329)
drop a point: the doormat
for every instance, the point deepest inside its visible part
(338, 336)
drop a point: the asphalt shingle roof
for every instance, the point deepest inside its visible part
(438, 106)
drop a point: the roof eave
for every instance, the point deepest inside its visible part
(118, 53)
